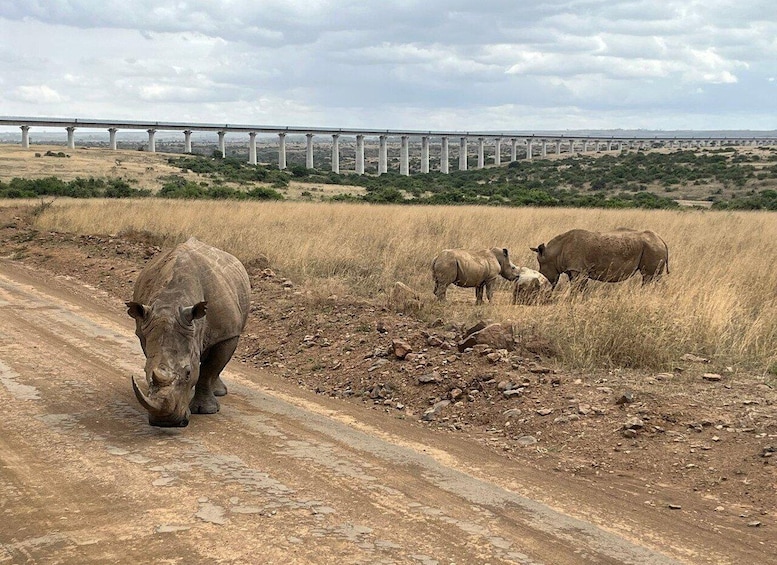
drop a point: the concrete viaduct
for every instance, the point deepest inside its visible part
(535, 145)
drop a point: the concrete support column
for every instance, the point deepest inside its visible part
(282, 151)
(382, 155)
(252, 148)
(360, 154)
(309, 150)
(463, 154)
(444, 164)
(187, 141)
(513, 149)
(336, 153)
(498, 151)
(222, 144)
(425, 154)
(71, 138)
(481, 154)
(544, 149)
(528, 149)
(25, 137)
(151, 142)
(404, 157)
(112, 138)
(558, 148)
(609, 146)
(585, 146)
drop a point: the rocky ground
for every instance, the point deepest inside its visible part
(702, 428)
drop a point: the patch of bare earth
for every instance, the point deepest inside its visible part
(700, 433)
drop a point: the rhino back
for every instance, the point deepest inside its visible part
(192, 272)
(475, 266)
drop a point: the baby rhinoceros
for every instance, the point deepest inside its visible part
(190, 305)
(469, 268)
(531, 287)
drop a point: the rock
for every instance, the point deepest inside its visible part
(513, 393)
(539, 369)
(400, 348)
(691, 358)
(434, 341)
(711, 377)
(496, 336)
(674, 507)
(626, 398)
(456, 394)
(544, 411)
(526, 441)
(754, 524)
(768, 451)
(630, 434)
(633, 424)
(504, 385)
(403, 298)
(494, 357)
(584, 409)
(434, 411)
(429, 378)
(512, 413)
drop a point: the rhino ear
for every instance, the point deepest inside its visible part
(136, 310)
(504, 250)
(194, 312)
(539, 249)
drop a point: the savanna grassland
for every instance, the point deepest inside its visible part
(719, 300)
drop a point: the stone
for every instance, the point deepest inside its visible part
(496, 336)
(674, 507)
(456, 394)
(513, 393)
(429, 378)
(512, 413)
(402, 298)
(714, 377)
(625, 398)
(504, 385)
(691, 358)
(526, 441)
(434, 341)
(633, 423)
(432, 413)
(544, 411)
(400, 348)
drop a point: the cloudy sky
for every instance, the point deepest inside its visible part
(398, 64)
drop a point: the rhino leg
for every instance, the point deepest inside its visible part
(219, 388)
(490, 290)
(479, 293)
(440, 289)
(212, 363)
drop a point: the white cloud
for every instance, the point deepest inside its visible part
(38, 93)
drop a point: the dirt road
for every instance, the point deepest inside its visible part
(279, 475)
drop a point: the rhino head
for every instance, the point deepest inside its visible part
(547, 264)
(172, 345)
(507, 269)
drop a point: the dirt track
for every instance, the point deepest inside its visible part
(279, 475)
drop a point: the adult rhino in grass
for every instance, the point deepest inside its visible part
(469, 268)
(608, 257)
(190, 305)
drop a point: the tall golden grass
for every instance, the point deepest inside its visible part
(720, 299)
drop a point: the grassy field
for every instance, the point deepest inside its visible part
(719, 301)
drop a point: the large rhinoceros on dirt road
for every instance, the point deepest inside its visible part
(469, 268)
(608, 257)
(190, 305)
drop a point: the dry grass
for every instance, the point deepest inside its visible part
(720, 299)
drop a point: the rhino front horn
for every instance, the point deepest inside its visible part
(145, 402)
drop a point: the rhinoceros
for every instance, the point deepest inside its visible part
(608, 257)
(469, 268)
(190, 305)
(530, 287)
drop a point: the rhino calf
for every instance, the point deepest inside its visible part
(190, 305)
(608, 257)
(531, 287)
(469, 268)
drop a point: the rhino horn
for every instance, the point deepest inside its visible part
(145, 401)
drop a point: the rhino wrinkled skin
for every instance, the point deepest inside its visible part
(190, 305)
(469, 268)
(608, 257)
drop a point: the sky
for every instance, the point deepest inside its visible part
(502, 65)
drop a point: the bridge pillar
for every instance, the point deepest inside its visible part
(498, 151)
(544, 149)
(463, 154)
(360, 154)
(71, 141)
(252, 148)
(282, 151)
(444, 164)
(528, 149)
(425, 154)
(25, 137)
(222, 144)
(151, 142)
(404, 157)
(481, 154)
(112, 138)
(382, 155)
(309, 150)
(513, 149)
(187, 141)
(336, 153)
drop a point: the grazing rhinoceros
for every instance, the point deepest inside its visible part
(469, 268)
(190, 305)
(607, 257)
(531, 287)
